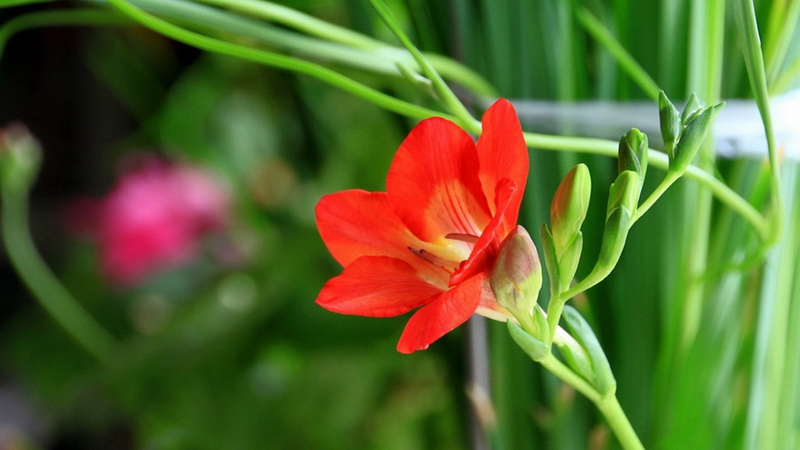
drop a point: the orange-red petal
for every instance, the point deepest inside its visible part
(357, 223)
(503, 154)
(447, 311)
(376, 286)
(433, 182)
(482, 257)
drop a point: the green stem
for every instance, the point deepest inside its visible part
(554, 309)
(60, 18)
(312, 26)
(601, 34)
(619, 423)
(50, 293)
(754, 61)
(659, 160)
(668, 181)
(608, 405)
(271, 59)
(446, 95)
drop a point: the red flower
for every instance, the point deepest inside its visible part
(429, 242)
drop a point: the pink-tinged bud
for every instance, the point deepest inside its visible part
(569, 207)
(517, 274)
(20, 157)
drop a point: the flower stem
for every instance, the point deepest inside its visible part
(671, 178)
(272, 59)
(608, 404)
(47, 289)
(659, 160)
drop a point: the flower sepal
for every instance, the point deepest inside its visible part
(531, 345)
(601, 376)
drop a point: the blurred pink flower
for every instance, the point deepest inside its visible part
(153, 218)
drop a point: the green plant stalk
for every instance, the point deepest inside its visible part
(8, 3)
(628, 64)
(312, 26)
(659, 160)
(78, 17)
(271, 59)
(608, 404)
(771, 344)
(45, 286)
(669, 180)
(446, 96)
(780, 31)
(754, 61)
(787, 77)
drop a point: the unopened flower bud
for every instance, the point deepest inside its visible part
(692, 106)
(20, 157)
(517, 274)
(568, 210)
(696, 128)
(633, 149)
(670, 123)
(624, 191)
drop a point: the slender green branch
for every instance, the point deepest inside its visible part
(302, 22)
(608, 405)
(754, 61)
(657, 159)
(601, 34)
(337, 42)
(57, 18)
(271, 59)
(619, 423)
(50, 293)
(668, 181)
(446, 95)
(8, 3)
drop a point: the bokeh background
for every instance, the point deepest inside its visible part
(226, 349)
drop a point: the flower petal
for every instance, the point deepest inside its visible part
(357, 223)
(376, 286)
(485, 251)
(503, 154)
(449, 310)
(433, 182)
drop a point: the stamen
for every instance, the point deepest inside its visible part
(433, 259)
(468, 238)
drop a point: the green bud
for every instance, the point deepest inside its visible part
(633, 149)
(692, 106)
(693, 135)
(671, 126)
(624, 191)
(614, 236)
(533, 347)
(517, 274)
(569, 206)
(603, 377)
(20, 157)
(568, 262)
